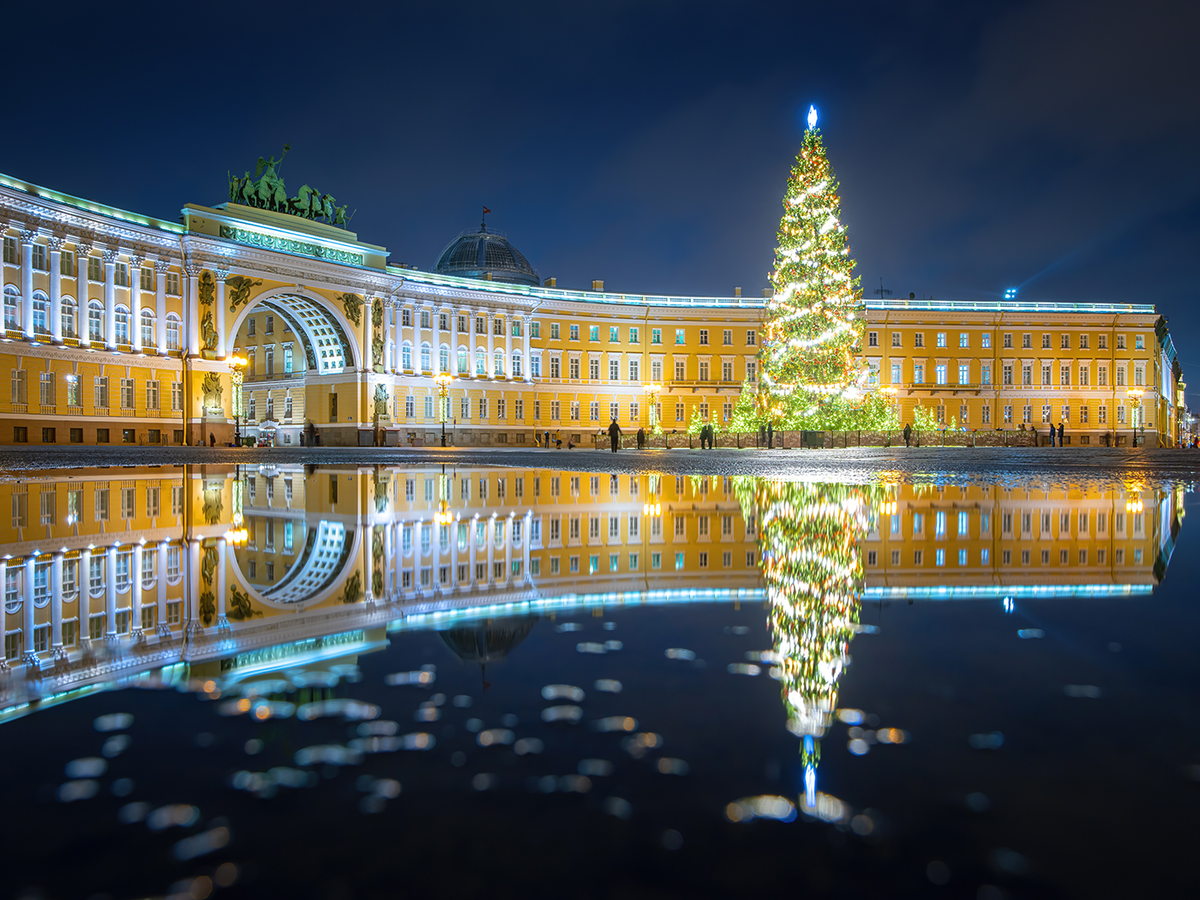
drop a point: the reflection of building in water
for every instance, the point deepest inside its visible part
(943, 542)
(349, 550)
(812, 565)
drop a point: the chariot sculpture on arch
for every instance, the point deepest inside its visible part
(266, 190)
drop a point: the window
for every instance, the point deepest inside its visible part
(1120, 372)
(1008, 375)
(41, 315)
(94, 270)
(12, 308)
(535, 328)
(941, 339)
(126, 393)
(68, 310)
(10, 251)
(704, 370)
(918, 373)
(985, 374)
(634, 369)
(704, 336)
(426, 358)
(172, 331)
(679, 339)
(872, 338)
(986, 417)
(896, 373)
(101, 391)
(46, 388)
(1120, 342)
(1139, 342)
(95, 321)
(1102, 376)
(147, 328)
(1027, 341)
(964, 374)
(1102, 341)
(406, 357)
(176, 396)
(918, 339)
(1083, 376)
(1008, 414)
(895, 339)
(1045, 342)
(941, 374)
(1027, 375)
(986, 340)
(1083, 342)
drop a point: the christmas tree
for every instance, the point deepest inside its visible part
(811, 373)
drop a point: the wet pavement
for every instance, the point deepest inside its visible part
(509, 679)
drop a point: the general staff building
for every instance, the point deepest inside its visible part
(119, 328)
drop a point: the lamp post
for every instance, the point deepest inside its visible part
(1135, 398)
(653, 389)
(236, 364)
(443, 380)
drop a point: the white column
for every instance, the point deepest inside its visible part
(3, 576)
(491, 371)
(161, 266)
(110, 299)
(55, 322)
(191, 313)
(222, 274)
(508, 550)
(471, 361)
(222, 621)
(526, 322)
(84, 602)
(29, 657)
(389, 581)
(135, 592)
(526, 540)
(454, 553)
(27, 238)
(508, 372)
(491, 547)
(110, 594)
(82, 254)
(56, 599)
(135, 306)
(389, 337)
(435, 324)
(472, 526)
(192, 591)
(161, 582)
(368, 349)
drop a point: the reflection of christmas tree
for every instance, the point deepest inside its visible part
(808, 534)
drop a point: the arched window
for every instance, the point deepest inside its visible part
(95, 321)
(147, 328)
(444, 359)
(69, 311)
(173, 324)
(41, 313)
(406, 357)
(426, 361)
(481, 363)
(122, 324)
(516, 364)
(12, 308)
(499, 364)
(464, 363)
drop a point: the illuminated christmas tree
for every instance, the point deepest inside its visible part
(809, 537)
(812, 376)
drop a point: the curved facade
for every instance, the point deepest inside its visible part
(118, 328)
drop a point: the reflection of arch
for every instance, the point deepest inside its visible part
(327, 558)
(320, 325)
(491, 642)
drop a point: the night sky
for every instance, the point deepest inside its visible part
(1048, 145)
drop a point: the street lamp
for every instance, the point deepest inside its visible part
(236, 364)
(1135, 397)
(443, 380)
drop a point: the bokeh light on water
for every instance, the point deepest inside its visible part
(255, 684)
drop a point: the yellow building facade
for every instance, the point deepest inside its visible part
(1101, 370)
(120, 328)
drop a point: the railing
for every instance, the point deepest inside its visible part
(277, 376)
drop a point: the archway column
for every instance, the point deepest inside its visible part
(55, 323)
(135, 303)
(110, 299)
(27, 239)
(222, 274)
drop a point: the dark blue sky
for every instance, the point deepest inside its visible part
(979, 145)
